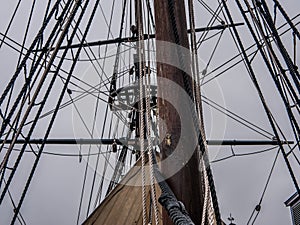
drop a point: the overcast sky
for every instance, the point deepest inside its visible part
(54, 194)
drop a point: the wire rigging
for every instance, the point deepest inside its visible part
(72, 14)
(238, 118)
(199, 129)
(96, 110)
(289, 21)
(234, 154)
(20, 67)
(10, 23)
(257, 208)
(5, 159)
(266, 108)
(239, 54)
(43, 61)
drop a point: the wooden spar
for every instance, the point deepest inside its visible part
(185, 183)
(134, 142)
(134, 39)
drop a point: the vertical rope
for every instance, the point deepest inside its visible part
(142, 147)
(140, 48)
(150, 152)
(205, 194)
(195, 70)
(199, 130)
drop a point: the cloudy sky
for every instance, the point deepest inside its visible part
(55, 191)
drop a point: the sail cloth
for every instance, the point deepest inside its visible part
(124, 204)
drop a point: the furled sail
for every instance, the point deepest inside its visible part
(124, 204)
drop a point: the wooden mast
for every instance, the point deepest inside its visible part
(186, 183)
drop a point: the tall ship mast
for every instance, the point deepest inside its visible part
(149, 112)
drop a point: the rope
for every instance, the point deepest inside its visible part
(77, 4)
(199, 129)
(96, 109)
(26, 31)
(23, 63)
(70, 19)
(21, 51)
(243, 154)
(215, 15)
(30, 50)
(17, 133)
(292, 68)
(272, 65)
(150, 151)
(195, 66)
(258, 206)
(140, 49)
(122, 156)
(239, 54)
(195, 69)
(237, 118)
(295, 30)
(10, 22)
(255, 82)
(206, 193)
(20, 217)
(175, 208)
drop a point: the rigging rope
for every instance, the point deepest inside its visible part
(140, 51)
(215, 15)
(23, 63)
(234, 154)
(10, 23)
(97, 105)
(292, 68)
(239, 54)
(21, 51)
(150, 149)
(255, 82)
(206, 194)
(175, 208)
(258, 206)
(289, 21)
(199, 130)
(20, 217)
(274, 61)
(237, 118)
(18, 132)
(72, 14)
(207, 208)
